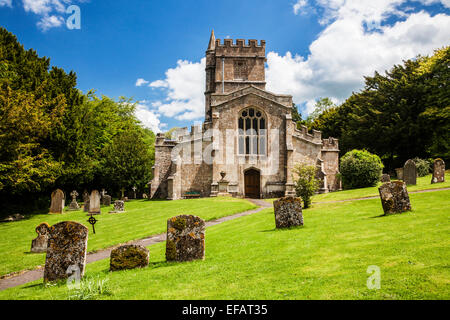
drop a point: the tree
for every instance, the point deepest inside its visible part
(306, 182)
(322, 105)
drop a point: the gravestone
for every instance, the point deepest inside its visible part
(288, 212)
(40, 243)
(385, 178)
(410, 173)
(128, 256)
(94, 202)
(399, 173)
(119, 206)
(85, 201)
(185, 238)
(438, 171)
(66, 251)
(57, 203)
(106, 200)
(394, 197)
(144, 196)
(13, 217)
(125, 199)
(74, 205)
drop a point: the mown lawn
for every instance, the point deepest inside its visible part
(423, 183)
(327, 258)
(141, 219)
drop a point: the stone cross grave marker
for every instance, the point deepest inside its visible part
(394, 197)
(66, 251)
(134, 191)
(74, 204)
(57, 203)
(288, 212)
(410, 173)
(185, 238)
(438, 171)
(94, 202)
(40, 243)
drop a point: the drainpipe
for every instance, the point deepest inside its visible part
(223, 74)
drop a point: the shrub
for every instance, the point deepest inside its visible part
(306, 183)
(423, 166)
(360, 169)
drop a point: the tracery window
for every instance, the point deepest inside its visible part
(252, 132)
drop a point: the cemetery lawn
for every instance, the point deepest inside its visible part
(423, 183)
(327, 258)
(141, 219)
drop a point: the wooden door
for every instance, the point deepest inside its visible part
(252, 184)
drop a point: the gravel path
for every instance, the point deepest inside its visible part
(32, 275)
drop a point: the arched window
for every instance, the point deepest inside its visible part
(252, 132)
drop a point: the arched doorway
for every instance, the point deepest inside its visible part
(252, 183)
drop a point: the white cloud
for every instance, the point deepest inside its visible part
(6, 3)
(299, 5)
(48, 22)
(184, 86)
(149, 118)
(140, 82)
(346, 50)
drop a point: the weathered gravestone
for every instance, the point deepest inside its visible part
(106, 200)
(57, 203)
(94, 202)
(410, 173)
(14, 217)
(85, 201)
(119, 206)
(128, 256)
(399, 173)
(438, 171)
(40, 243)
(394, 197)
(385, 178)
(288, 212)
(74, 204)
(66, 251)
(144, 196)
(185, 238)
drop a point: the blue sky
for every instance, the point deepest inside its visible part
(315, 48)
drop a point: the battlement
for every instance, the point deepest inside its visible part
(303, 133)
(239, 47)
(330, 144)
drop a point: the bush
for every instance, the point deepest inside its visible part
(306, 183)
(360, 169)
(423, 166)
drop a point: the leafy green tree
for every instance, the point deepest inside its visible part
(306, 182)
(322, 105)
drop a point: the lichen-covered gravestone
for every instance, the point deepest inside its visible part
(385, 178)
(410, 173)
(66, 251)
(438, 171)
(57, 203)
(288, 212)
(394, 197)
(185, 238)
(119, 206)
(40, 243)
(128, 256)
(85, 201)
(399, 173)
(94, 202)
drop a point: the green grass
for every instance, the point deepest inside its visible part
(141, 219)
(247, 258)
(423, 183)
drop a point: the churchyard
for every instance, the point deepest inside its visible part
(330, 256)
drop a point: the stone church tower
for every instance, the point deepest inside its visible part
(248, 143)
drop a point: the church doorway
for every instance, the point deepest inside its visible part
(252, 183)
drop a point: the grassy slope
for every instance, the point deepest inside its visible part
(142, 218)
(423, 183)
(247, 258)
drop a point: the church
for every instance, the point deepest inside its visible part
(248, 144)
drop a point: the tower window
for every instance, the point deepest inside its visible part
(252, 135)
(240, 70)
